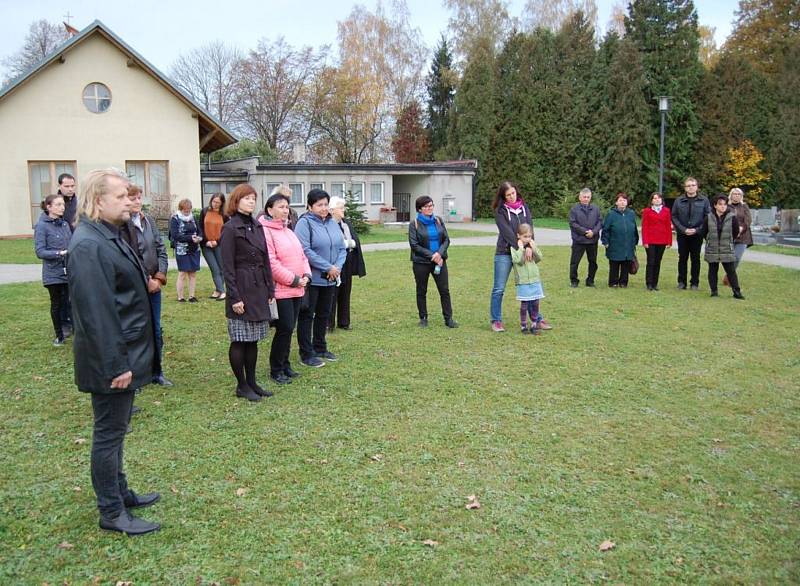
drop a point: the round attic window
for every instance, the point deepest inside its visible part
(97, 98)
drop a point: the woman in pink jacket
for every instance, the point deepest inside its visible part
(291, 273)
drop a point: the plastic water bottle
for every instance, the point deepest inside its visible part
(437, 269)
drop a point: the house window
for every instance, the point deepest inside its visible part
(152, 177)
(376, 193)
(316, 186)
(337, 190)
(357, 192)
(210, 189)
(97, 98)
(44, 181)
(297, 194)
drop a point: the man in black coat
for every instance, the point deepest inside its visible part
(114, 343)
(689, 214)
(585, 222)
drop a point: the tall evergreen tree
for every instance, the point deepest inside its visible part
(441, 89)
(665, 33)
(765, 31)
(473, 119)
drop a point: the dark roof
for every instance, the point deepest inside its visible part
(464, 166)
(207, 124)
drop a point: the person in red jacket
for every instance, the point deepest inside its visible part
(656, 237)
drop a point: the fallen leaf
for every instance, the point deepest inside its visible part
(37, 377)
(76, 488)
(607, 545)
(156, 402)
(679, 561)
(173, 489)
(241, 491)
(376, 457)
(232, 580)
(80, 440)
(430, 543)
(461, 464)
(65, 545)
(123, 583)
(299, 565)
(391, 438)
(323, 461)
(472, 503)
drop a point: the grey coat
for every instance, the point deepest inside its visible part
(151, 247)
(582, 219)
(50, 237)
(112, 319)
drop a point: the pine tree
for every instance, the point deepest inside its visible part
(355, 214)
(472, 120)
(410, 142)
(440, 86)
(665, 33)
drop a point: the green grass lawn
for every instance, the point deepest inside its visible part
(665, 422)
(18, 251)
(776, 248)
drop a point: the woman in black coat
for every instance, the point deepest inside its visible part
(354, 265)
(429, 241)
(248, 280)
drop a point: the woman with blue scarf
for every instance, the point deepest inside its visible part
(429, 241)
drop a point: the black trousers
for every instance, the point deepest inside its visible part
(689, 247)
(421, 273)
(655, 252)
(730, 271)
(59, 303)
(340, 304)
(112, 414)
(618, 273)
(312, 323)
(577, 254)
(288, 311)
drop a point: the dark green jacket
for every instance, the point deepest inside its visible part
(112, 319)
(620, 235)
(720, 236)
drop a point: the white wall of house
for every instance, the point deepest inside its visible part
(45, 120)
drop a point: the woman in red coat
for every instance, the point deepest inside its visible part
(656, 236)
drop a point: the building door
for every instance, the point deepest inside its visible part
(402, 201)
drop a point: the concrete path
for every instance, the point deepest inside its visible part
(545, 236)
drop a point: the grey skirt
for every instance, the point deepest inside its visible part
(240, 330)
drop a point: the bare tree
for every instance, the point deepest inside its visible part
(276, 92)
(473, 20)
(616, 22)
(42, 39)
(209, 75)
(552, 14)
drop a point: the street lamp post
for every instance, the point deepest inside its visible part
(663, 107)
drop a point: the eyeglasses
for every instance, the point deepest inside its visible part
(428, 205)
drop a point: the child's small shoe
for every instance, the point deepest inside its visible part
(524, 330)
(535, 331)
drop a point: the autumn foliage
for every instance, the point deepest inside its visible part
(744, 171)
(410, 143)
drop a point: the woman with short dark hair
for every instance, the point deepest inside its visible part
(248, 280)
(428, 239)
(722, 227)
(620, 237)
(656, 237)
(51, 239)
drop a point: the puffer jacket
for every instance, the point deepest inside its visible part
(50, 237)
(286, 258)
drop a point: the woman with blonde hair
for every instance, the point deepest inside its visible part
(745, 238)
(185, 238)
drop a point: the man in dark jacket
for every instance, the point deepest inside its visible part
(114, 348)
(688, 216)
(585, 223)
(142, 234)
(66, 188)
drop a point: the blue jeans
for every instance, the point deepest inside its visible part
(738, 253)
(213, 258)
(155, 306)
(502, 269)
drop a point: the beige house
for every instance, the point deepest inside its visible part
(96, 103)
(385, 192)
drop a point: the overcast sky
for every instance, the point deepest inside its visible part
(160, 30)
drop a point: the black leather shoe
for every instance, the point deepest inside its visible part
(574, 285)
(141, 500)
(681, 285)
(247, 393)
(281, 379)
(590, 283)
(160, 379)
(128, 524)
(135, 409)
(423, 322)
(714, 294)
(451, 323)
(291, 373)
(345, 328)
(738, 295)
(261, 392)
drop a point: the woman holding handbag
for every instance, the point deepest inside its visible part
(620, 237)
(292, 273)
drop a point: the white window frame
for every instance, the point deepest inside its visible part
(363, 188)
(344, 189)
(316, 185)
(300, 200)
(373, 201)
(37, 198)
(147, 195)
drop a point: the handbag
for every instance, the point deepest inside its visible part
(633, 267)
(273, 310)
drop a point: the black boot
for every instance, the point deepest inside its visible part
(128, 524)
(738, 294)
(246, 392)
